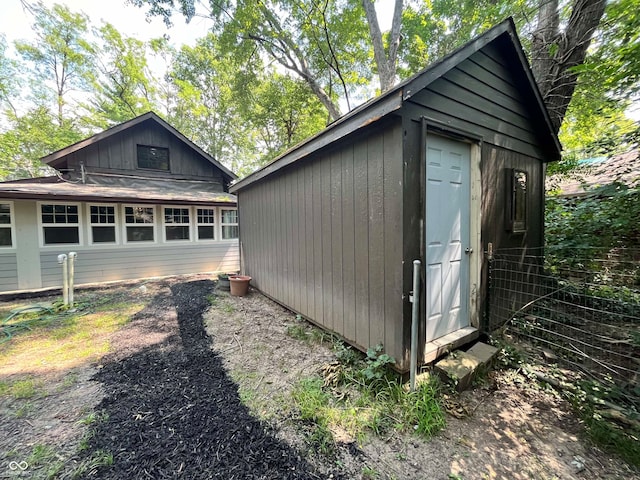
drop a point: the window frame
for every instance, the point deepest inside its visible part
(42, 225)
(11, 225)
(140, 145)
(153, 224)
(214, 225)
(222, 224)
(513, 224)
(115, 225)
(188, 224)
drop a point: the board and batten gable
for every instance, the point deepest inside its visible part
(325, 237)
(118, 154)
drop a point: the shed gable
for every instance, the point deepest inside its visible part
(484, 96)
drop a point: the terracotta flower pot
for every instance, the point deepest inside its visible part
(239, 285)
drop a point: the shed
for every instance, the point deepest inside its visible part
(435, 169)
(137, 200)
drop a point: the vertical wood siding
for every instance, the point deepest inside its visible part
(325, 237)
(8, 272)
(495, 161)
(118, 153)
(102, 265)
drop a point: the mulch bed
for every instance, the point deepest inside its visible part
(173, 412)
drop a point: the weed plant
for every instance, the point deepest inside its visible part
(357, 396)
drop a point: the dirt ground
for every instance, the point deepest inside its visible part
(173, 396)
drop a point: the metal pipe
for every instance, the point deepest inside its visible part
(72, 261)
(62, 260)
(415, 311)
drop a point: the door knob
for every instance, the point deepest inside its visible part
(468, 250)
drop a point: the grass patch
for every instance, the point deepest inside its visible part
(100, 458)
(359, 396)
(44, 462)
(308, 333)
(23, 389)
(65, 339)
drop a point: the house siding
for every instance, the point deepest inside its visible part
(118, 155)
(8, 271)
(325, 238)
(32, 266)
(103, 265)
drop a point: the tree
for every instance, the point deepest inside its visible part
(205, 109)
(8, 77)
(62, 59)
(31, 136)
(124, 87)
(558, 47)
(282, 113)
(320, 41)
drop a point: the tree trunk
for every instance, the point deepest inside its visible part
(385, 61)
(555, 51)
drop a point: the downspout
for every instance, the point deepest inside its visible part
(414, 298)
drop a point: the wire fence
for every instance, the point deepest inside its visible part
(581, 310)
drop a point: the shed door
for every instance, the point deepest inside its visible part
(447, 235)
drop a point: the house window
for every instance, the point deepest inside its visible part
(517, 200)
(153, 158)
(103, 223)
(60, 224)
(229, 224)
(6, 225)
(206, 223)
(176, 223)
(138, 223)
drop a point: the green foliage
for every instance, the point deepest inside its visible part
(360, 395)
(377, 365)
(61, 58)
(588, 227)
(124, 87)
(588, 399)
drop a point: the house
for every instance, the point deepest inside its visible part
(598, 172)
(135, 201)
(436, 169)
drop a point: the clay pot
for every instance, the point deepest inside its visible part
(239, 285)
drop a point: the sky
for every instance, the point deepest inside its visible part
(15, 21)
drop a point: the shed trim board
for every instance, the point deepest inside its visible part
(330, 228)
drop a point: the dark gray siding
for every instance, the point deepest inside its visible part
(325, 237)
(103, 265)
(117, 154)
(480, 96)
(495, 162)
(8, 272)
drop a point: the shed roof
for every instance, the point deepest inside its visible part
(57, 158)
(168, 192)
(392, 100)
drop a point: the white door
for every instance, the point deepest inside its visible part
(447, 235)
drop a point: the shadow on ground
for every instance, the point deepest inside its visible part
(172, 411)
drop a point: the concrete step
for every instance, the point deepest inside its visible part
(461, 367)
